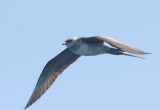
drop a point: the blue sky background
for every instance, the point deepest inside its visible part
(31, 33)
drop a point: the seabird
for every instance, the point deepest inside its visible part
(76, 47)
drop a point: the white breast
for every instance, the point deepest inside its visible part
(88, 50)
(83, 50)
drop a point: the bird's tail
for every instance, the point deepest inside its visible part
(132, 55)
(114, 51)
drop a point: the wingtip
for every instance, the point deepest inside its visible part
(26, 107)
(147, 53)
(140, 52)
(28, 104)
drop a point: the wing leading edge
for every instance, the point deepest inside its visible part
(50, 72)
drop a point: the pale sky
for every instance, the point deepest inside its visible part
(32, 32)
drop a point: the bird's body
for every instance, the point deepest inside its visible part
(89, 46)
(87, 50)
(76, 47)
(82, 46)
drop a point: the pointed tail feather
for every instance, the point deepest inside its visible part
(132, 55)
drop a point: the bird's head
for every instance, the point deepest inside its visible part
(69, 41)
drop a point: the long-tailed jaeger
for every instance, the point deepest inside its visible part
(76, 47)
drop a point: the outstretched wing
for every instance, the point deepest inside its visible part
(50, 72)
(120, 45)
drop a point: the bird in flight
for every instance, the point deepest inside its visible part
(76, 47)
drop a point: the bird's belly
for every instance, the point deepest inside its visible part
(89, 50)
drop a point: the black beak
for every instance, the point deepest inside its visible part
(64, 43)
